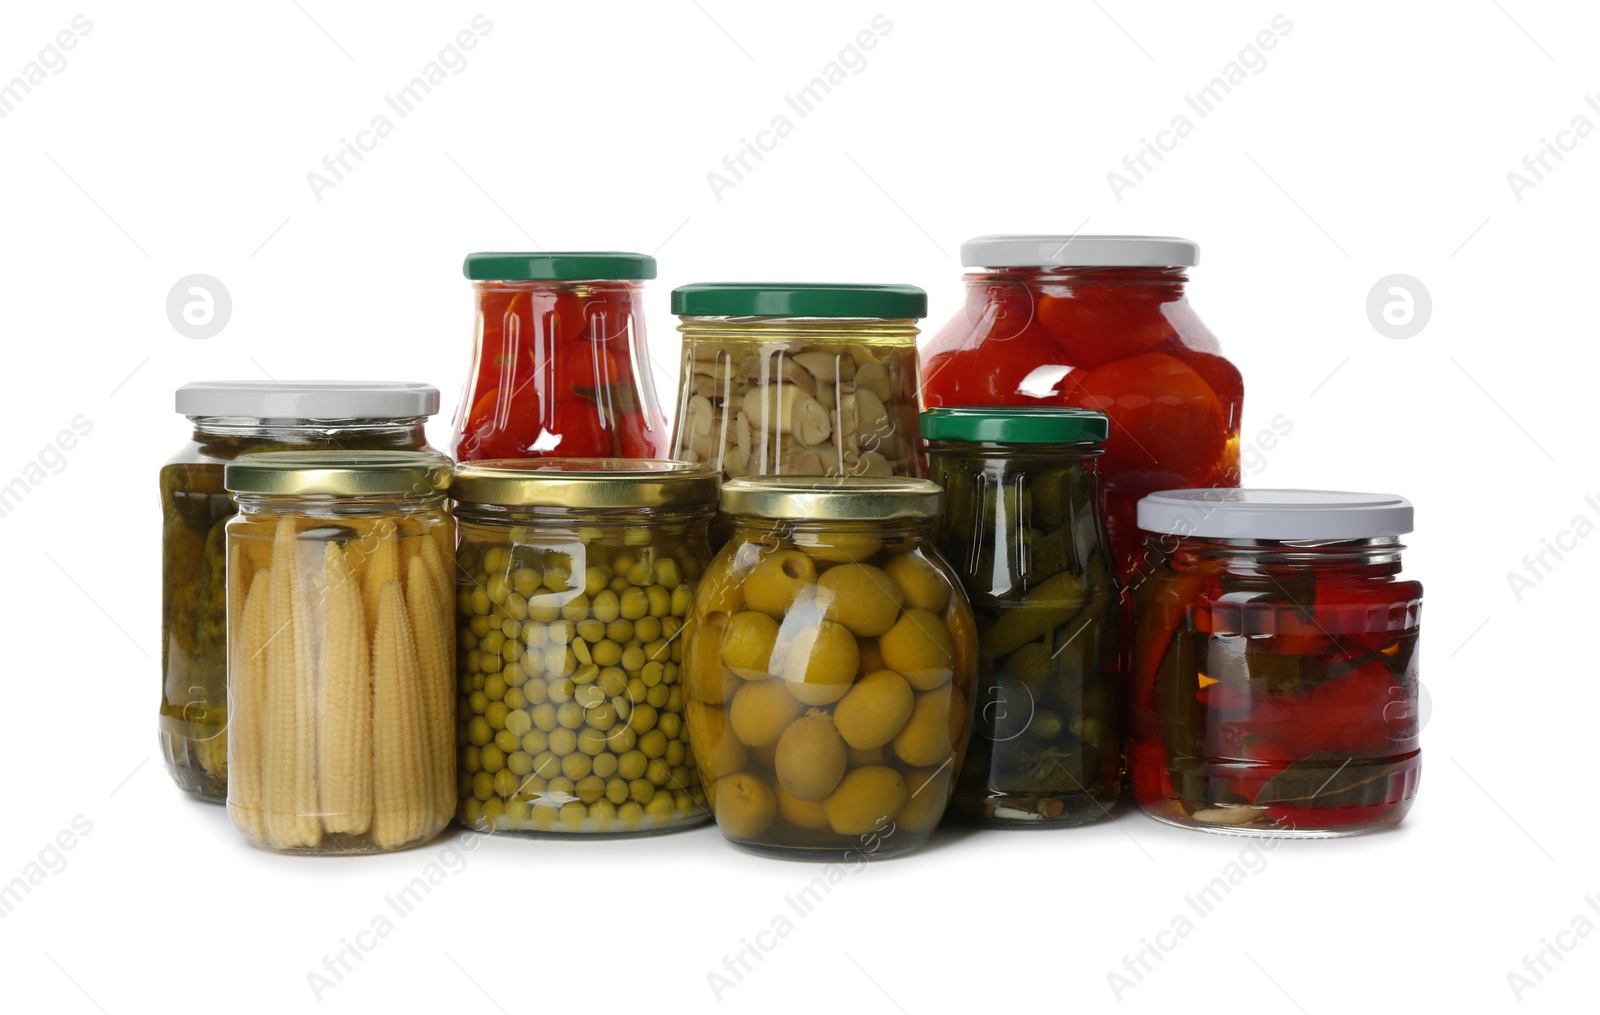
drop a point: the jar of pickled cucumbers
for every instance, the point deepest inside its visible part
(798, 379)
(1023, 529)
(576, 580)
(340, 648)
(230, 418)
(1275, 663)
(829, 662)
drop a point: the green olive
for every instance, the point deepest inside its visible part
(717, 750)
(930, 791)
(864, 598)
(926, 738)
(811, 757)
(761, 711)
(920, 648)
(776, 580)
(820, 663)
(839, 545)
(865, 799)
(745, 806)
(808, 814)
(875, 709)
(747, 644)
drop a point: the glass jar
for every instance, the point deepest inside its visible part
(340, 645)
(829, 665)
(576, 578)
(231, 418)
(559, 365)
(1023, 531)
(796, 379)
(1104, 323)
(1275, 663)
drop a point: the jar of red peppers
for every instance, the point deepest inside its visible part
(1104, 323)
(560, 367)
(1275, 663)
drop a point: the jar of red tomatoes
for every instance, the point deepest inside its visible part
(1275, 663)
(560, 367)
(1104, 323)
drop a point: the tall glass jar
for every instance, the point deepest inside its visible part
(576, 579)
(1275, 663)
(799, 379)
(1103, 323)
(829, 664)
(340, 644)
(230, 418)
(559, 366)
(1023, 530)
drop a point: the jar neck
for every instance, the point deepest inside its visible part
(871, 330)
(1166, 282)
(1044, 454)
(896, 533)
(1376, 557)
(402, 433)
(564, 518)
(324, 505)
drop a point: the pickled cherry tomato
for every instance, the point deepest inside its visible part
(1165, 418)
(1094, 325)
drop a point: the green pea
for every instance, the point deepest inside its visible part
(633, 603)
(496, 714)
(479, 731)
(519, 762)
(641, 790)
(505, 782)
(563, 742)
(570, 715)
(590, 788)
(576, 766)
(494, 759)
(643, 718)
(515, 699)
(518, 722)
(653, 743)
(592, 741)
(605, 764)
(507, 741)
(483, 785)
(544, 717)
(657, 772)
(658, 696)
(632, 764)
(535, 741)
(617, 791)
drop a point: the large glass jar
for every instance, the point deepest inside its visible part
(1275, 663)
(1023, 530)
(559, 366)
(796, 379)
(829, 663)
(231, 418)
(576, 579)
(340, 645)
(1103, 323)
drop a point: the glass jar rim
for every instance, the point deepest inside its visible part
(337, 473)
(596, 485)
(832, 499)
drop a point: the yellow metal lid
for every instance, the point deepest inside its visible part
(337, 473)
(595, 484)
(827, 498)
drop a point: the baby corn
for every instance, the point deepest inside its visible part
(344, 703)
(436, 666)
(400, 777)
(247, 675)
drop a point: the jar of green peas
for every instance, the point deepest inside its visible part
(575, 578)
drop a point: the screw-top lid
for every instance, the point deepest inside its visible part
(1076, 250)
(558, 265)
(835, 499)
(338, 473)
(1275, 514)
(579, 484)
(309, 400)
(799, 299)
(1015, 425)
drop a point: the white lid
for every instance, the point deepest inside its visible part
(1028, 250)
(308, 399)
(1275, 514)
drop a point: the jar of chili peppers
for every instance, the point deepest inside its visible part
(1104, 323)
(1023, 531)
(1275, 663)
(560, 367)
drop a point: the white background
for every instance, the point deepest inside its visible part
(1375, 140)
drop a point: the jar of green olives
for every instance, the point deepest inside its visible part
(829, 663)
(228, 419)
(1025, 533)
(576, 579)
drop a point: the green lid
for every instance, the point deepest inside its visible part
(558, 265)
(1015, 425)
(799, 299)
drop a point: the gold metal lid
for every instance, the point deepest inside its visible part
(828, 498)
(338, 473)
(595, 484)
